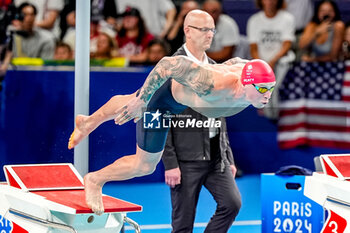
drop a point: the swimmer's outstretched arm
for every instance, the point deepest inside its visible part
(179, 68)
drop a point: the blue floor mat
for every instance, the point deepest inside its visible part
(156, 214)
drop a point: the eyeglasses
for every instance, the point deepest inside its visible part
(205, 30)
(263, 90)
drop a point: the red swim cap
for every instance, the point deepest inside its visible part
(257, 71)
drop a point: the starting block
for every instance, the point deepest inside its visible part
(331, 189)
(50, 198)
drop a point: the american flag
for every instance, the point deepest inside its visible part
(315, 106)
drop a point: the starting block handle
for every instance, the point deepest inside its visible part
(41, 221)
(133, 223)
(338, 201)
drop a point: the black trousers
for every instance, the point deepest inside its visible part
(184, 197)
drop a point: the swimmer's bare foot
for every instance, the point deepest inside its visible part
(80, 132)
(93, 194)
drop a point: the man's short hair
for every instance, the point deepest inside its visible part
(25, 4)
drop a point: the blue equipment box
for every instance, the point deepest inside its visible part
(285, 208)
(5, 225)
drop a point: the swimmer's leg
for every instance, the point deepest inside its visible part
(86, 124)
(127, 167)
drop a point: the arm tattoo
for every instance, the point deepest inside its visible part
(235, 60)
(181, 69)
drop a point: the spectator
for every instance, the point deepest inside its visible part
(302, 11)
(69, 6)
(346, 43)
(69, 36)
(7, 12)
(5, 4)
(95, 29)
(159, 15)
(94, 32)
(133, 38)
(156, 50)
(270, 31)
(227, 33)
(48, 14)
(176, 35)
(104, 14)
(104, 11)
(31, 41)
(63, 52)
(105, 47)
(323, 36)
(4, 65)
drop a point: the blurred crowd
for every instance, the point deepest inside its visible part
(144, 31)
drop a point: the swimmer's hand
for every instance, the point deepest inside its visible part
(132, 110)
